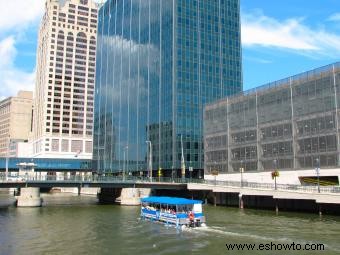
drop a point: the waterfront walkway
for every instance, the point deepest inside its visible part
(327, 195)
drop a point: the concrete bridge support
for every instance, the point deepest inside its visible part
(29, 197)
(123, 196)
(132, 196)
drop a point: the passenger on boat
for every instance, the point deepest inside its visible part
(191, 216)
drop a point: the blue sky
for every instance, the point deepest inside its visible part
(283, 38)
(279, 39)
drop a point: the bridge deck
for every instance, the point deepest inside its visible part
(328, 194)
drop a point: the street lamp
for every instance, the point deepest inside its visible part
(7, 157)
(241, 171)
(275, 172)
(124, 163)
(172, 172)
(317, 161)
(191, 169)
(150, 158)
(182, 160)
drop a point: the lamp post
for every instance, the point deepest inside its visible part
(182, 160)
(123, 165)
(172, 172)
(317, 161)
(127, 158)
(150, 158)
(275, 172)
(241, 172)
(7, 157)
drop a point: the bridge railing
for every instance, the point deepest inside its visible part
(271, 186)
(143, 179)
(97, 178)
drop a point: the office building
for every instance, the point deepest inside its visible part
(15, 122)
(64, 92)
(290, 125)
(158, 64)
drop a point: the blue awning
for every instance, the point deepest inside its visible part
(171, 200)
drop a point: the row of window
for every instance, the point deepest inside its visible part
(68, 131)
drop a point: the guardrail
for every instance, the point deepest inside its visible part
(139, 179)
(270, 186)
(97, 178)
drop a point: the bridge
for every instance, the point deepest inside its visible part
(94, 182)
(160, 182)
(327, 194)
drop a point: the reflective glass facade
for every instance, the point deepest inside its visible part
(158, 64)
(288, 124)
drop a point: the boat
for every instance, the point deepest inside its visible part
(177, 211)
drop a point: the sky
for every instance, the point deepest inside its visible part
(279, 39)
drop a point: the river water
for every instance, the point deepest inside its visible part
(70, 224)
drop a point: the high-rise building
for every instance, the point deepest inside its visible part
(15, 121)
(63, 102)
(158, 64)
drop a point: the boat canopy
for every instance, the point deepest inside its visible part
(171, 200)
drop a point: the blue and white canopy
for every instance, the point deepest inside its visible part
(171, 200)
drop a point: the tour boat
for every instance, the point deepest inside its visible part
(173, 210)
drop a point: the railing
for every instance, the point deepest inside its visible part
(138, 179)
(96, 178)
(168, 180)
(270, 186)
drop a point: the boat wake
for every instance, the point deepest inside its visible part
(186, 228)
(222, 231)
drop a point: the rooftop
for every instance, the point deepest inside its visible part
(171, 200)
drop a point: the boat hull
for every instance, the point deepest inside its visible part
(180, 219)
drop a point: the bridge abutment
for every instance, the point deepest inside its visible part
(132, 196)
(29, 197)
(123, 196)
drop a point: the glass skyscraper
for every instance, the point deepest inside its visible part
(158, 63)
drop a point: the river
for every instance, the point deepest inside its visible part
(70, 224)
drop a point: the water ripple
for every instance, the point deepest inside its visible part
(78, 225)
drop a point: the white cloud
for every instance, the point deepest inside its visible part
(7, 51)
(292, 34)
(16, 17)
(334, 17)
(258, 60)
(17, 14)
(11, 78)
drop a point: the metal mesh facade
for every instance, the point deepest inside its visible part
(287, 124)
